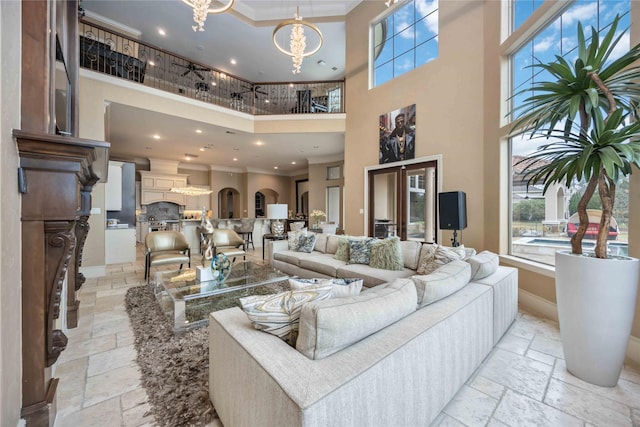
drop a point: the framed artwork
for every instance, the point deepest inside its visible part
(398, 135)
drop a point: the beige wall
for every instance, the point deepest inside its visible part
(280, 184)
(445, 91)
(10, 226)
(220, 180)
(462, 86)
(318, 184)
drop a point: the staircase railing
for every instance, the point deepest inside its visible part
(112, 53)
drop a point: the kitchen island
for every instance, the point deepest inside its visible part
(120, 244)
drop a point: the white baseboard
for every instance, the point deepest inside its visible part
(92, 272)
(549, 310)
(538, 304)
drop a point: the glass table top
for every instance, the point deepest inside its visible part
(188, 301)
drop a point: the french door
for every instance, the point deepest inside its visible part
(402, 201)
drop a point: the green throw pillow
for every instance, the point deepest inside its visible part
(387, 254)
(342, 252)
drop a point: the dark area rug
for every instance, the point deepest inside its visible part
(175, 367)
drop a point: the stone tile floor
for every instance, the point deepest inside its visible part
(523, 382)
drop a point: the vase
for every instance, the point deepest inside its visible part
(220, 267)
(596, 302)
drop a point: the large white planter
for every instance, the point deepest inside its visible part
(596, 303)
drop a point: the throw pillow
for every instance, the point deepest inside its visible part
(340, 288)
(483, 264)
(360, 250)
(342, 252)
(426, 255)
(444, 281)
(321, 243)
(279, 314)
(306, 243)
(442, 255)
(293, 237)
(387, 254)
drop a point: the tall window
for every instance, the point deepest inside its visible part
(404, 40)
(542, 224)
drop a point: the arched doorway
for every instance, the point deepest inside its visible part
(264, 197)
(228, 203)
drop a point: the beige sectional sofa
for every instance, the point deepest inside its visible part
(402, 374)
(322, 263)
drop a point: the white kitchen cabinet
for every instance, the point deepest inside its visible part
(156, 187)
(120, 245)
(144, 230)
(113, 187)
(198, 202)
(189, 229)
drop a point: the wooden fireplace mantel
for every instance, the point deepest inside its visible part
(58, 173)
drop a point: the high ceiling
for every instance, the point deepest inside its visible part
(243, 34)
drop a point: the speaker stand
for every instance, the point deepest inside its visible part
(454, 239)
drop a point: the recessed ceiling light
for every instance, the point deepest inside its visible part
(275, 167)
(198, 130)
(233, 61)
(162, 32)
(202, 149)
(223, 76)
(235, 159)
(187, 157)
(156, 136)
(290, 84)
(214, 84)
(266, 101)
(259, 143)
(293, 163)
(152, 63)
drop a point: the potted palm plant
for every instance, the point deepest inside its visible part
(589, 116)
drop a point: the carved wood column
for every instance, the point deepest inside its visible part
(59, 173)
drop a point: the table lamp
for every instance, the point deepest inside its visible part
(276, 213)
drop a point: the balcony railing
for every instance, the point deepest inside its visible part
(112, 53)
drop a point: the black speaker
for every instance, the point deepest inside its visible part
(453, 210)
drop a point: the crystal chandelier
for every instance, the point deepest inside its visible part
(191, 191)
(297, 40)
(201, 10)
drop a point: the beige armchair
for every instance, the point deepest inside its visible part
(165, 247)
(223, 240)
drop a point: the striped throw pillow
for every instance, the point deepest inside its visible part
(279, 314)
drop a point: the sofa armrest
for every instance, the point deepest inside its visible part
(277, 246)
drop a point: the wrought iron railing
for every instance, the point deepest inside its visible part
(115, 54)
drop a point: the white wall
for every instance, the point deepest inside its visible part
(10, 227)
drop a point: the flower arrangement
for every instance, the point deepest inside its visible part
(316, 215)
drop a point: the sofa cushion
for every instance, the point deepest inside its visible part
(327, 327)
(441, 255)
(294, 257)
(444, 281)
(360, 250)
(321, 243)
(323, 263)
(386, 254)
(410, 253)
(372, 276)
(340, 288)
(306, 243)
(279, 314)
(483, 264)
(332, 243)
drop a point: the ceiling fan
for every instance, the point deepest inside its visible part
(255, 89)
(192, 68)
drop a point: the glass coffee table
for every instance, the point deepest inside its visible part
(188, 302)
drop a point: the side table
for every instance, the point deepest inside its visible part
(272, 237)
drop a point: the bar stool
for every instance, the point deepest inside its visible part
(245, 230)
